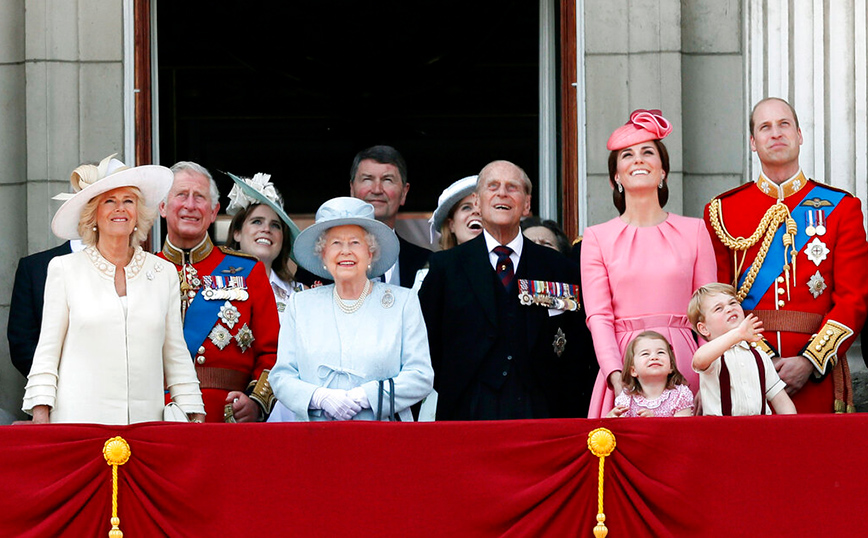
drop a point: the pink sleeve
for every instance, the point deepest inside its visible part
(683, 398)
(598, 305)
(622, 399)
(705, 270)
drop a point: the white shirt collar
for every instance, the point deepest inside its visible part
(516, 243)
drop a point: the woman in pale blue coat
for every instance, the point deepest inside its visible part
(344, 346)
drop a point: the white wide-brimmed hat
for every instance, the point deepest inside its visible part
(259, 190)
(344, 211)
(450, 196)
(89, 181)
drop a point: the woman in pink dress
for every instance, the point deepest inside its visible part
(640, 269)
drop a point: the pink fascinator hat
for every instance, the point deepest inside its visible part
(644, 125)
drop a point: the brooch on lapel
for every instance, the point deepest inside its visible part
(388, 299)
(556, 295)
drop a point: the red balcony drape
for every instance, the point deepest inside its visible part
(753, 476)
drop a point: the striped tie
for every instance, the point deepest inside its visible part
(504, 265)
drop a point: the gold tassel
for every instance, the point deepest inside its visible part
(116, 452)
(601, 443)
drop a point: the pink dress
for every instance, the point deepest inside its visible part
(665, 405)
(639, 279)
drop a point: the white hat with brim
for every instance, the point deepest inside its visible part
(152, 180)
(450, 196)
(261, 198)
(345, 211)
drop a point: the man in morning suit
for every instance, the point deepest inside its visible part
(379, 176)
(230, 317)
(795, 250)
(497, 356)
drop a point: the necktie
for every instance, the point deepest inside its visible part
(504, 265)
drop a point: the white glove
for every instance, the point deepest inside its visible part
(335, 403)
(358, 395)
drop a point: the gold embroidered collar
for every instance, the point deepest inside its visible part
(195, 255)
(108, 268)
(785, 189)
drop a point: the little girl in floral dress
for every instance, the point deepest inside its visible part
(653, 386)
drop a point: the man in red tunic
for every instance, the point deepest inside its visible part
(230, 317)
(795, 250)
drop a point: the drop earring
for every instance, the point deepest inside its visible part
(620, 187)
(662, 177)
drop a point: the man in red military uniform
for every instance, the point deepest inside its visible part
(795, 249)
(230, 317)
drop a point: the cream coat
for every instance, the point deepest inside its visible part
(94, 363)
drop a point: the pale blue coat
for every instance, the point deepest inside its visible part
(321, 346)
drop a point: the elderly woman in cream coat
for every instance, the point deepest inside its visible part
(341, 344)
(111, 338)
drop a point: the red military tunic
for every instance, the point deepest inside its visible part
(818, 310)
(241, 361)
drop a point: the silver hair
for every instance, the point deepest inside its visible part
(480, 179)
(370, 239)
(190, 166)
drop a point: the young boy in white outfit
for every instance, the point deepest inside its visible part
(735, 378)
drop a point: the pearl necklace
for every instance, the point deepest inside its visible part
(356, 305)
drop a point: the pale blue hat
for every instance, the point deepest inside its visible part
(344, 211)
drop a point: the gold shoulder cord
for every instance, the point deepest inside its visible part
(768, 226)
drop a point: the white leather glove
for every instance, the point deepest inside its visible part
(358, 395)
(335, 403)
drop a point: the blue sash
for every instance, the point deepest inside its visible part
(776, 259)
(202, 315)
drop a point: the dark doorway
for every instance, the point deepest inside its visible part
(295, 89)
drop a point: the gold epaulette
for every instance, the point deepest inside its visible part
(262, 394)
(576, 241)
(226, 250)
(823, 347)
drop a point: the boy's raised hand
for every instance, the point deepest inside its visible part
(750, 329)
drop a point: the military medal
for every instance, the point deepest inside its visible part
(809, 221)
(523, 295)
(555, 295)
(821, 222)
(219, 336)
(816, 251)
(221, 288)
(817, 284)
(229, 314)
(560, 342)
(388, 299)
(244, 337)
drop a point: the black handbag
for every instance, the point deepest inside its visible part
(391, 399)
